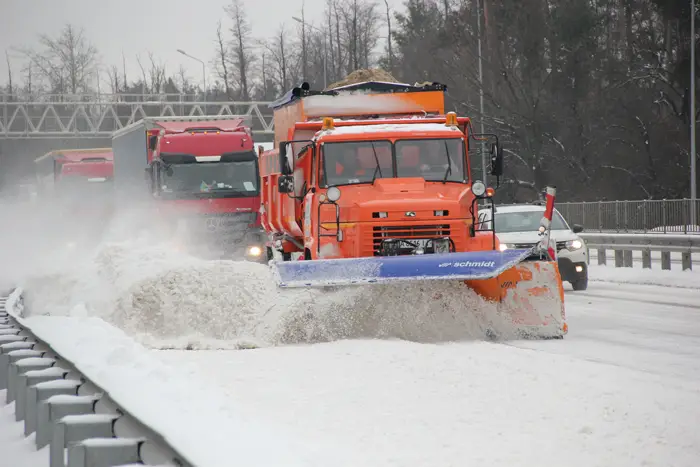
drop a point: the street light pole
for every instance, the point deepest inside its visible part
(693, 156)
(481, 89)
(204, 72)
(325, 50)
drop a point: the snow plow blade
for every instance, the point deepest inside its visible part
(529, 293)
(380, 270)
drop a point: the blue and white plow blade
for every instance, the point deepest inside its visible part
(379, 270)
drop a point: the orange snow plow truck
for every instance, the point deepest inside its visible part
(371, 183)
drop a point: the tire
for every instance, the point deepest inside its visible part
(581, 283)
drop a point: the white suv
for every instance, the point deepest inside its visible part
(516, 227)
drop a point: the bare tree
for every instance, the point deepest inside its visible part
(66, 61)
(155, 79)
(280, 59)
(304, 46)
(241, 47)
(222, 61)
(388, 36)
(10, 90)
(114, 79)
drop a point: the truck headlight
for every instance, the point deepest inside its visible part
(573, 245)
(503, 246)
(478, 188)
(254, 251)
(333, 194)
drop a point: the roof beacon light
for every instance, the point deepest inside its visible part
(451, 119)
(327, 123)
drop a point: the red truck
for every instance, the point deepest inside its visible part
(83, 175)
(77, 187)
(203, 174)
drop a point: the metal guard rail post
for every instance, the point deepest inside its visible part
(625, 244)
(67, 411)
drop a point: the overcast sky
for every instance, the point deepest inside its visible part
(138, 26)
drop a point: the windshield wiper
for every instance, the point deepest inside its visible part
(378, 168)
(448, 172)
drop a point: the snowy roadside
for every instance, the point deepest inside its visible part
(15, 448)
(205, 426)
(637, 275)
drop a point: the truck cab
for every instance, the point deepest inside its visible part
(203, 175)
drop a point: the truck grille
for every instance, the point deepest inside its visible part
(523, 246)
(413, 233)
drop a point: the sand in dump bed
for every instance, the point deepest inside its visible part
(170, 300)
(362, 75)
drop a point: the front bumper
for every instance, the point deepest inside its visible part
(572, 271)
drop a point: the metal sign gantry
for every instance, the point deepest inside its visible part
(98, 116)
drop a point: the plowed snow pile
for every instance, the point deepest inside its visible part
(169, 299)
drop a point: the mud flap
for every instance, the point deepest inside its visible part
(477, 265)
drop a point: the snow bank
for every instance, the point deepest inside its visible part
(16, 449)
(638, 275)
(169, 300)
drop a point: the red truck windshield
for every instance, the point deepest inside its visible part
(219, 179)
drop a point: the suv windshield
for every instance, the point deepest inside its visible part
(526, 221)
(360, 162)
(227, 179)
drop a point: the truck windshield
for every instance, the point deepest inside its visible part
(225, 179)
(360, 162)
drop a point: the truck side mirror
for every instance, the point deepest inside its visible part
(285, 169)
(496, 160)
(152, 142)
(285, 184)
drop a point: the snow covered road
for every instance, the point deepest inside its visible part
(622, 389)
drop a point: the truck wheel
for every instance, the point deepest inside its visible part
(268, 251)
(286, 256)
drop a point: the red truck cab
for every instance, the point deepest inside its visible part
(203, 173)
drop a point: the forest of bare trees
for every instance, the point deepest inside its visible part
(591, 95)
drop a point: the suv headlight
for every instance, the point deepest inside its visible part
(573, 245)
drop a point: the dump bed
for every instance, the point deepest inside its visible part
(356, 101)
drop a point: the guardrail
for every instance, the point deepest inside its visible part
(66, 410)
(666, 216)
(624, 244)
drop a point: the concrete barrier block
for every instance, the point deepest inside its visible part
(6, 348)
(23, 367)
(104, 452)
(152, 454)
(54, 409)
(75, 428)
(13, 357)
(32, 379)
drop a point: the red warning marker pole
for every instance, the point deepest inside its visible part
(546, 222)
